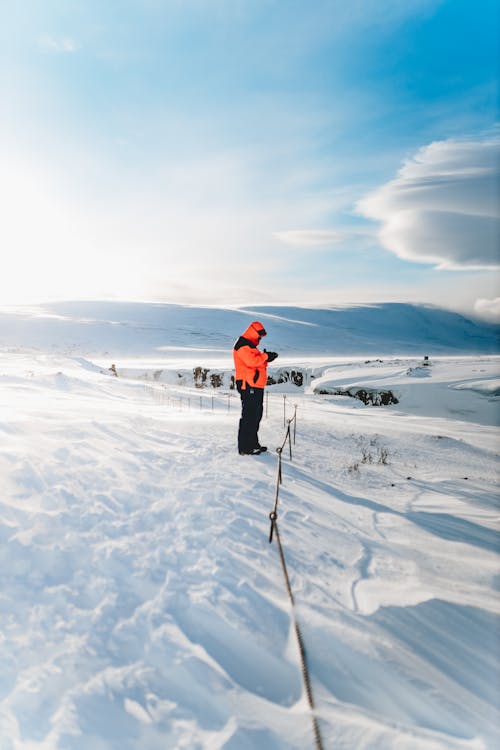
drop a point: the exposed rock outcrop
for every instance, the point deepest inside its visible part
(366, 395)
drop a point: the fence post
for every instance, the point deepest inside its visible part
(284, 410)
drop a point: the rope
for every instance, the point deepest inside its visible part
(300, 641)
(274, 514)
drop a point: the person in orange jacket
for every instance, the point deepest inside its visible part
(250, 366)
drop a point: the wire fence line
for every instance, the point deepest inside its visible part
(184, 398)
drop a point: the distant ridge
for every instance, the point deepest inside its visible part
(131, 328)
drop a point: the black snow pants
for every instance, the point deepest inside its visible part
(252, 400)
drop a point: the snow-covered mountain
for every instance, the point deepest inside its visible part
(121, 329)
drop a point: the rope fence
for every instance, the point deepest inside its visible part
(190, 399)
(290, 436)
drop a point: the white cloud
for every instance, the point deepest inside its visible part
(57, 44)
(443, 207)
(320, 237)
(488, 308)
(309, 237)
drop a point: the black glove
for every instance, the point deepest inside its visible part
(270, 355)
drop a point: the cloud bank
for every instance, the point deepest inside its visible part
(488, 308)
(443, 207)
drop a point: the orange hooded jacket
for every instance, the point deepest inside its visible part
(249, 363)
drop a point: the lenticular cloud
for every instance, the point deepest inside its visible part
(443, 206)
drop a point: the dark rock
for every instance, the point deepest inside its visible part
(216, 380)
(200, 377)
(373, 397)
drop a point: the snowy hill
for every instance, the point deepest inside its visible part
(121, 329)
(142, 606)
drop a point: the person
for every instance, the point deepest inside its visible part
(250, 366)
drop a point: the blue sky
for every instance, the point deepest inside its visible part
(244, 151)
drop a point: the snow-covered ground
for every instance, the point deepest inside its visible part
(142, 606)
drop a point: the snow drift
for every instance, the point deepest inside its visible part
(141, 604)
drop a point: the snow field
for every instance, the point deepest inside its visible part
(142, 605)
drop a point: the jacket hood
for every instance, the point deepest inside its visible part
(252, 332)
